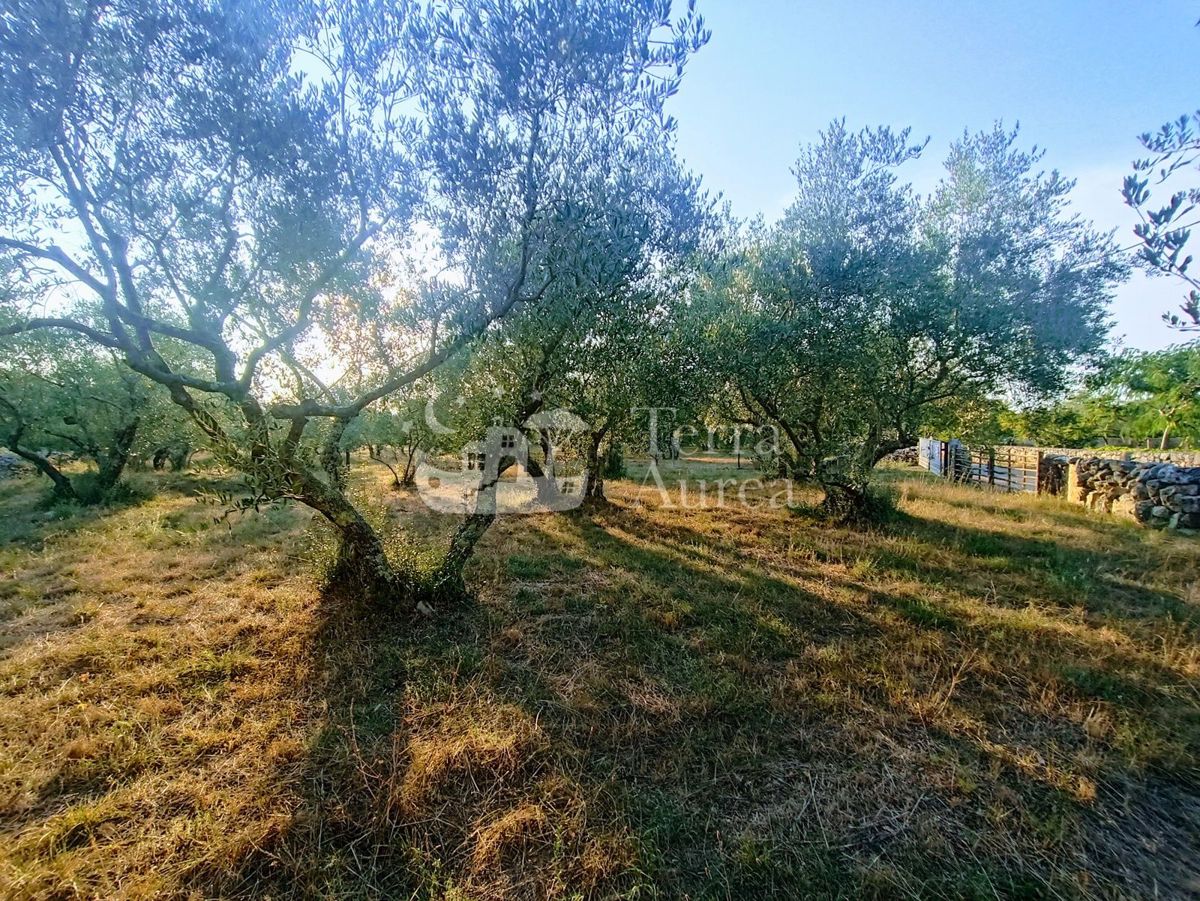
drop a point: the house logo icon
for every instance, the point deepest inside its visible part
(498, 475)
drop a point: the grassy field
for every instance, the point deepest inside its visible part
(989, 696)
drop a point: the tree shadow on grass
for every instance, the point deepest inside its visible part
(521, 752)
(636, 704)
(1054, 509)
(867, 672)
(1134, 681)
(31, 518)
(438, 764)
(1107, 582)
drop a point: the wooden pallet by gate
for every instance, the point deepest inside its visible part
(1003, 468)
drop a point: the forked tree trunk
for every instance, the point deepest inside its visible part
(113, 464)
(362, 567)
(363, 570)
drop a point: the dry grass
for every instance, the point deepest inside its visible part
(990, 696)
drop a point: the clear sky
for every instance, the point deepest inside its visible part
(1082, 77)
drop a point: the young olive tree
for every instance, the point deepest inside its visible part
(640, 352)
(841, 324)
(66, 397)
(626, 252)
(396, 437)
(241, 179)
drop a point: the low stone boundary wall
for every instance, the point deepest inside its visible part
(1158, 488)
(1187, 459)
(910, 456)
(1163, 495)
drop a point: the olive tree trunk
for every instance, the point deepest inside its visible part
(362, 567)
(112, 463)
(62, 485)
(376, 454)
(594, 471)
(845, 500)
(63, 489)
(448, 582)
(845, 480)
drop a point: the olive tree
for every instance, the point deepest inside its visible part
(241, 179)
(641, 353)
(68, 397)
(397, 431)
(628, 252)
(863, 306)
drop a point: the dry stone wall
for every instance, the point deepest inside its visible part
(1157, 488)
(12, 465)
(1178, 457)
(907, 455)
(1163, 495)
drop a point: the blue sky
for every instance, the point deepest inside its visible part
(1083, 78)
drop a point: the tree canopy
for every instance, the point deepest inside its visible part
(842, 324)
(1166, 229)
(245, 180)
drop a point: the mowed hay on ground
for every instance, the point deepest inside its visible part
(990, 695)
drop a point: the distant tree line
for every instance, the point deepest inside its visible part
(1143, 399)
